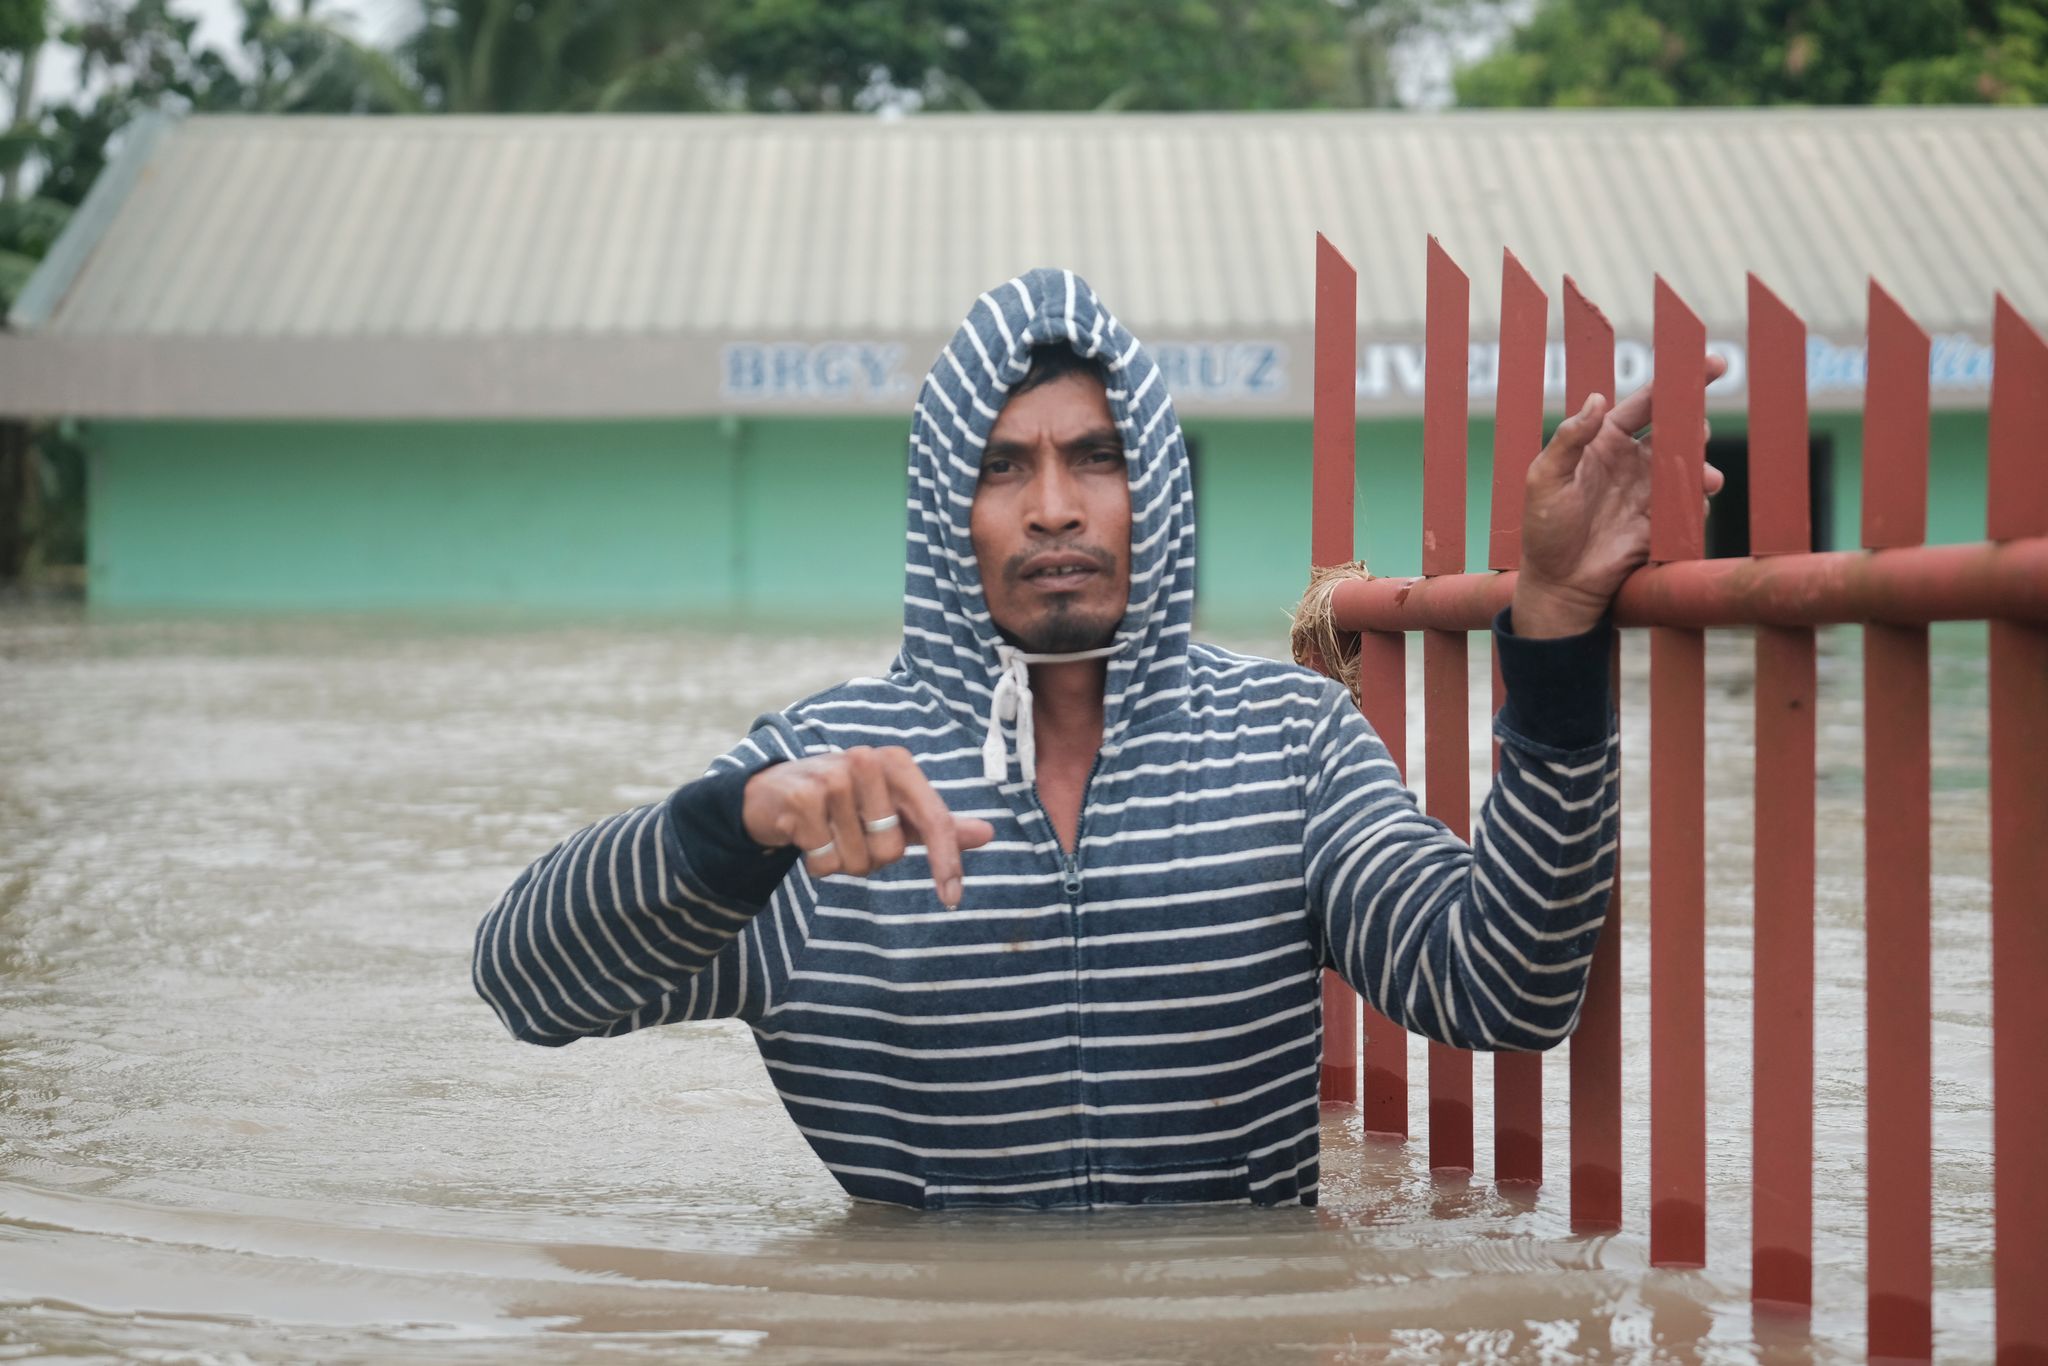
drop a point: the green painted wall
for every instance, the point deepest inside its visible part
(1956, 482)
(820, 514)
(303, 515)
(1252, 487)
(782, 519)
(703, 518)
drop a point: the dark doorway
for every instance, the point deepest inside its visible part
(1728, 521)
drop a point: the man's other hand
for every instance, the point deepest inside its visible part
(1586, 514)
(857, 810)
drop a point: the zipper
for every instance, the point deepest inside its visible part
(1070, 885)
(1070, 863)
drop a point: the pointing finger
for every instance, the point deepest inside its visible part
(927, 811)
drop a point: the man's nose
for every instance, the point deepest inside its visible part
(1055, 508)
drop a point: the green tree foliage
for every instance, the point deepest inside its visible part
(136, 55)
(828, 55)
(146, 54)
(26, 229)
(305, 64)
(825, 55)
(15, 269)
(21, 25)
(2005, 63)
(544, 56)
(1064, 55)
(1169, 54)
(1743, 52)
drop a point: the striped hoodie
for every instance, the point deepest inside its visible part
(1139, 1020)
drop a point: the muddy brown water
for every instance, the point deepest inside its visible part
(251, 1110)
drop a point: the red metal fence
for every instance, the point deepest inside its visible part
(1893, 588)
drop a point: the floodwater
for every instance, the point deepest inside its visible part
(250, 1109)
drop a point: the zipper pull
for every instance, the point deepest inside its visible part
(1072, 886)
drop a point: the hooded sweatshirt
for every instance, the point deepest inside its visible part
(1138, 1020)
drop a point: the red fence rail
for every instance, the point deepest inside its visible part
(1892, 588)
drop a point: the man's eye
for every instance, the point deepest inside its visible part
(1107, 453)
(994, 466)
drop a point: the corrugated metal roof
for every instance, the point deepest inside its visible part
(443, 226)
(665, 266)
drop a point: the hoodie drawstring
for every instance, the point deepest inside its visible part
(1012, 702)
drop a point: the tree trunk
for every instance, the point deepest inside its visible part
(18, 498)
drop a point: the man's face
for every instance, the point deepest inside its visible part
(1052, 519)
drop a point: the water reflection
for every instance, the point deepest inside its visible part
(249, 1106)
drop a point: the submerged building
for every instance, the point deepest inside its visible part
(665, 364)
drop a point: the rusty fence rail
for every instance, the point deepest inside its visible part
(1892, 588)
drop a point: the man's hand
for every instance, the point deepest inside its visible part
(857, 810)
(1586, 514)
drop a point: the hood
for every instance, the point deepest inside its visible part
(949, 642)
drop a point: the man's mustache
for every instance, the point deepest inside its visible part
(1013, 568)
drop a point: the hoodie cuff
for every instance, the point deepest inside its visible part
(709, 817)
(1557, 693)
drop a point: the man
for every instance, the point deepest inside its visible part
(1039, 916)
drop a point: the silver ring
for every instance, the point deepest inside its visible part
(827, 847)
(888, 822)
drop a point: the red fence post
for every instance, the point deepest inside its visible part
(1893, 586)
(1678, 1003)
(1334, 477)
(1446, 364)
(2018, 491)
(1446, 682)
(1781, 1155)
(1895, 417)
(1780, 501)
(1517, 405)
(1382, 683)
(1446, 690)
(1383, 696)
(1897, 895)
(1517, 437)
(1596, 1044)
